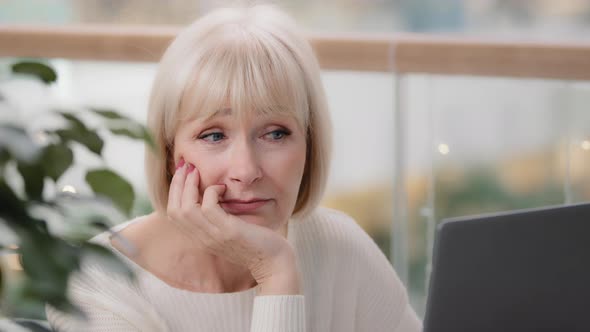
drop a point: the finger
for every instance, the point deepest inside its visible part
(210, 206)
(223, 229)
(209, 231)
(176, 188)
(190, 194)
(189, 203)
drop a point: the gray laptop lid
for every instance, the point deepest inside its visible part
(519, 271)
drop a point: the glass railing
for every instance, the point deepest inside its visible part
(425, 128)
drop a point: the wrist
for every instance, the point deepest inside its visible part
(284, 284)
(283, 276)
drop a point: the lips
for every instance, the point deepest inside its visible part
(239, 206)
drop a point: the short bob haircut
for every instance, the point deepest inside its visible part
(255, 58)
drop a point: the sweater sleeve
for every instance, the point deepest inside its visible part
(278, 313)
(382, 300)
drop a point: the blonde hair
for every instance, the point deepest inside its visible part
(254, 58)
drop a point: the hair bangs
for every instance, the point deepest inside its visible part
(256, 74)
(207, 90)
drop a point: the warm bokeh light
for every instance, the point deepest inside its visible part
(586, 145)
(41, 138)
(443, 149)
(69, 189)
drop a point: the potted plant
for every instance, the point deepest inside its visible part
(27, 167)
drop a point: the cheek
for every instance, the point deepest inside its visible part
(209, 166)
(211, 173)
(288, 169)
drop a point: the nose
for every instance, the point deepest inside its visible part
(244, 164)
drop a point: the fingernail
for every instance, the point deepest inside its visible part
(191, 167)
(180, 163)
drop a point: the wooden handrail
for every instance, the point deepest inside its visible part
(400, 53)
(86, 42)
(520, 59)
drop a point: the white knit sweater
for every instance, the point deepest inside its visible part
(348, 285)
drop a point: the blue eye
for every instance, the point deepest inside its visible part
(278, 134)
(212, 137)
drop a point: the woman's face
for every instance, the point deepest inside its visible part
(260, 160)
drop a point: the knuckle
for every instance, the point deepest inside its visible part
(172, 215)
(184, 213)
(206, 209)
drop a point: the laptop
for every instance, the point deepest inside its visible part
(525, 270)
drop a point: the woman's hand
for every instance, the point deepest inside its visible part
(266, 254)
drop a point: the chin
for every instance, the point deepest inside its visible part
(254, 219)
(259, 220)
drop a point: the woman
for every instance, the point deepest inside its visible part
(237, 241)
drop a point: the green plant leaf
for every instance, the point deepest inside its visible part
(108, 183)
(24, 300)
(141, 133)
(126, 132)
(78, 132)
(47, 261)
(4, 156)
(41, 71)
(57, 158)
(88, 138)
(13, 209)
(109, 114)
(74, 121)
(126, 126)
(33, 175)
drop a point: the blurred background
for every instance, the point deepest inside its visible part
(470, 144)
